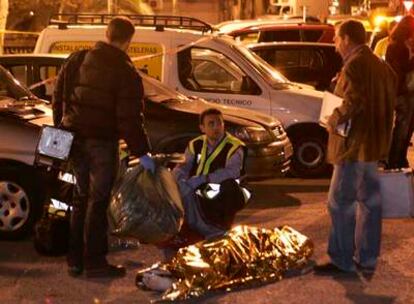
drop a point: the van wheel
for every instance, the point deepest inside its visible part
(20, 204)
(309, 155)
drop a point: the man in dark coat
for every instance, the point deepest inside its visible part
(99, 96)
(399, 58)
(368, 87)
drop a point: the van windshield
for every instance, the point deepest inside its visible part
(274, 77)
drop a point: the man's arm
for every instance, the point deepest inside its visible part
(182, 171)
(231, 171)
(353, 94)
(129, 113)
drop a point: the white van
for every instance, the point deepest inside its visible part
(188, 56)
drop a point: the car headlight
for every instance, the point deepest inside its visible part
(252, 134)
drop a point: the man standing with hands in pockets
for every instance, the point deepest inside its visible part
(368, 88)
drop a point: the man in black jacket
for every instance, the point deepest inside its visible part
(98, 95)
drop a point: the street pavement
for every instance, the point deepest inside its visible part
(26, 277)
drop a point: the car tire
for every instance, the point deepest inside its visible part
(20, 203)
(309, 155)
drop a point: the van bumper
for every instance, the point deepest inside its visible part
(269, 161)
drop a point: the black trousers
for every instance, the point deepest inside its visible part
(402, 132)
(94, 163)
(222, 209)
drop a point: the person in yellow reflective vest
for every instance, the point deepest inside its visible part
(208, 179)
(381, 46)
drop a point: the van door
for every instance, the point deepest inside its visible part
(215, 77)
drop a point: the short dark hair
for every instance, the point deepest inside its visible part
(210, 111)
(120, 29)
(354, 29)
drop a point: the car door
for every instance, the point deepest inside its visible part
(43, 79)
(20, 70)
(214, 76)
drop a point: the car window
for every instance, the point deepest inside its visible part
(312, 35)
(279, 35)
(205, 70)
(272, 76)
(47, 72)
(248, 37)
(11, 88)
(209, 72)
(311, 59)
(19, 72)
(286, 59)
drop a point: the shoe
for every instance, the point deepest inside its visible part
(364, 269)
(329, 269)
(75, 271)
(107, 271)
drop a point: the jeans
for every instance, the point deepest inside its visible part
(355, 234)
(94, 163)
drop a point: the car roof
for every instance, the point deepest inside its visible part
(290, 43)
(293, 25)
(234, 25)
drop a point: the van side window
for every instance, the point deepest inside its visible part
(211, 71)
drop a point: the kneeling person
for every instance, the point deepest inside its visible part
(208, 177)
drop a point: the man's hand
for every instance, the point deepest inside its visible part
(196, 181)
(147, 162)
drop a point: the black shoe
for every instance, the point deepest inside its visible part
(107, 271)
(75, 271)
(329, 269)
(364, 269)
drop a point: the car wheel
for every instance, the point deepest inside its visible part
(19, 204)
(309, 155)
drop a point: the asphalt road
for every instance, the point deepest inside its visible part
(26, 277)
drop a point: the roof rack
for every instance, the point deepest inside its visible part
(157, 21)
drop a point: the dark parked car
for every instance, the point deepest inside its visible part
(305, 62)
(171, 121)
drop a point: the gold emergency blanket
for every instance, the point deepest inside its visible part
(244, 255)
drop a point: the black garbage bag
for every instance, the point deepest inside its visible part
(51, 233)
(146, 206)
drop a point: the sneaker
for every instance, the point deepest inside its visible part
(107, 271)
(75, 271)
(329, 269)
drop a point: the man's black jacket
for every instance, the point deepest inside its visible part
(99, 95)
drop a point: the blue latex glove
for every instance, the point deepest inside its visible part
(147, 162)
(196, 181)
